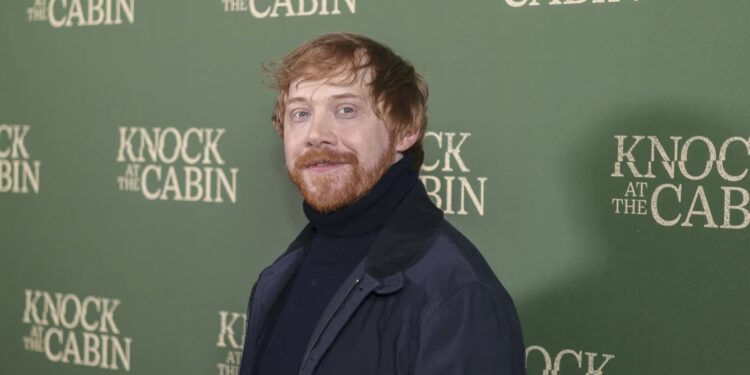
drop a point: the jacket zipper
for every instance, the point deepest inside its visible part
(325, 326)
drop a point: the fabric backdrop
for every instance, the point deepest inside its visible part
(597, 153)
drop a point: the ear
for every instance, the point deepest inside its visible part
(405, 142)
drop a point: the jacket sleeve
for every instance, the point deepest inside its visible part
(474, 331)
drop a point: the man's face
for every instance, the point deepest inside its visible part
(336, 148)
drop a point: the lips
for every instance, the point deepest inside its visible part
(323, 166)
(318, 163)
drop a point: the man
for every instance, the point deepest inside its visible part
(378, 282)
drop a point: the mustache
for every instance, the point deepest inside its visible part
(317, 156)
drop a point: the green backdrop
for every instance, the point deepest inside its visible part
(596, 152)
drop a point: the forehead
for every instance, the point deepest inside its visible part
(329, 88)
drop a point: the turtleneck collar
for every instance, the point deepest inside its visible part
(373, 210)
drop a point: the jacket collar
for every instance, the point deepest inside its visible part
(400, 243)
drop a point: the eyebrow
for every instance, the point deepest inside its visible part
(332, 97)
(346, 96)
(295, 100)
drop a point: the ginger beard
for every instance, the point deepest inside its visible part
(342, 186)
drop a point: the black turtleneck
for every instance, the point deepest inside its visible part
(341, 241)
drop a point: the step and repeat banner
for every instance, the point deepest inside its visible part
(596, 151)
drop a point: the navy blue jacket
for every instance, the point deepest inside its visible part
(423, 302)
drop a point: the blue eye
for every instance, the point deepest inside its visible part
(300, 115)
(346, 111)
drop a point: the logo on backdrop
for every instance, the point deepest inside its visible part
(447, 179)
(232, 336)
(69, 13)
(675, 180)
(71, 329)
(290, 8)
(18, 173)
(532, 3)
(177, 165)
(537, 356)
(232, 326)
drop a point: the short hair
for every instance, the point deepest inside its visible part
(398, 92)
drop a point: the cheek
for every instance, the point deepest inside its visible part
(291, 150)
(383, 140)
(288, 161)
(371, 149)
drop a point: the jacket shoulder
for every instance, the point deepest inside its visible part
(450, 263)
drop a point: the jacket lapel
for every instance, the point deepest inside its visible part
(405, 237)
(343, 304)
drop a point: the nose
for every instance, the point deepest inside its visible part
(320, 133)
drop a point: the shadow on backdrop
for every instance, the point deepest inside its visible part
(664, 300)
